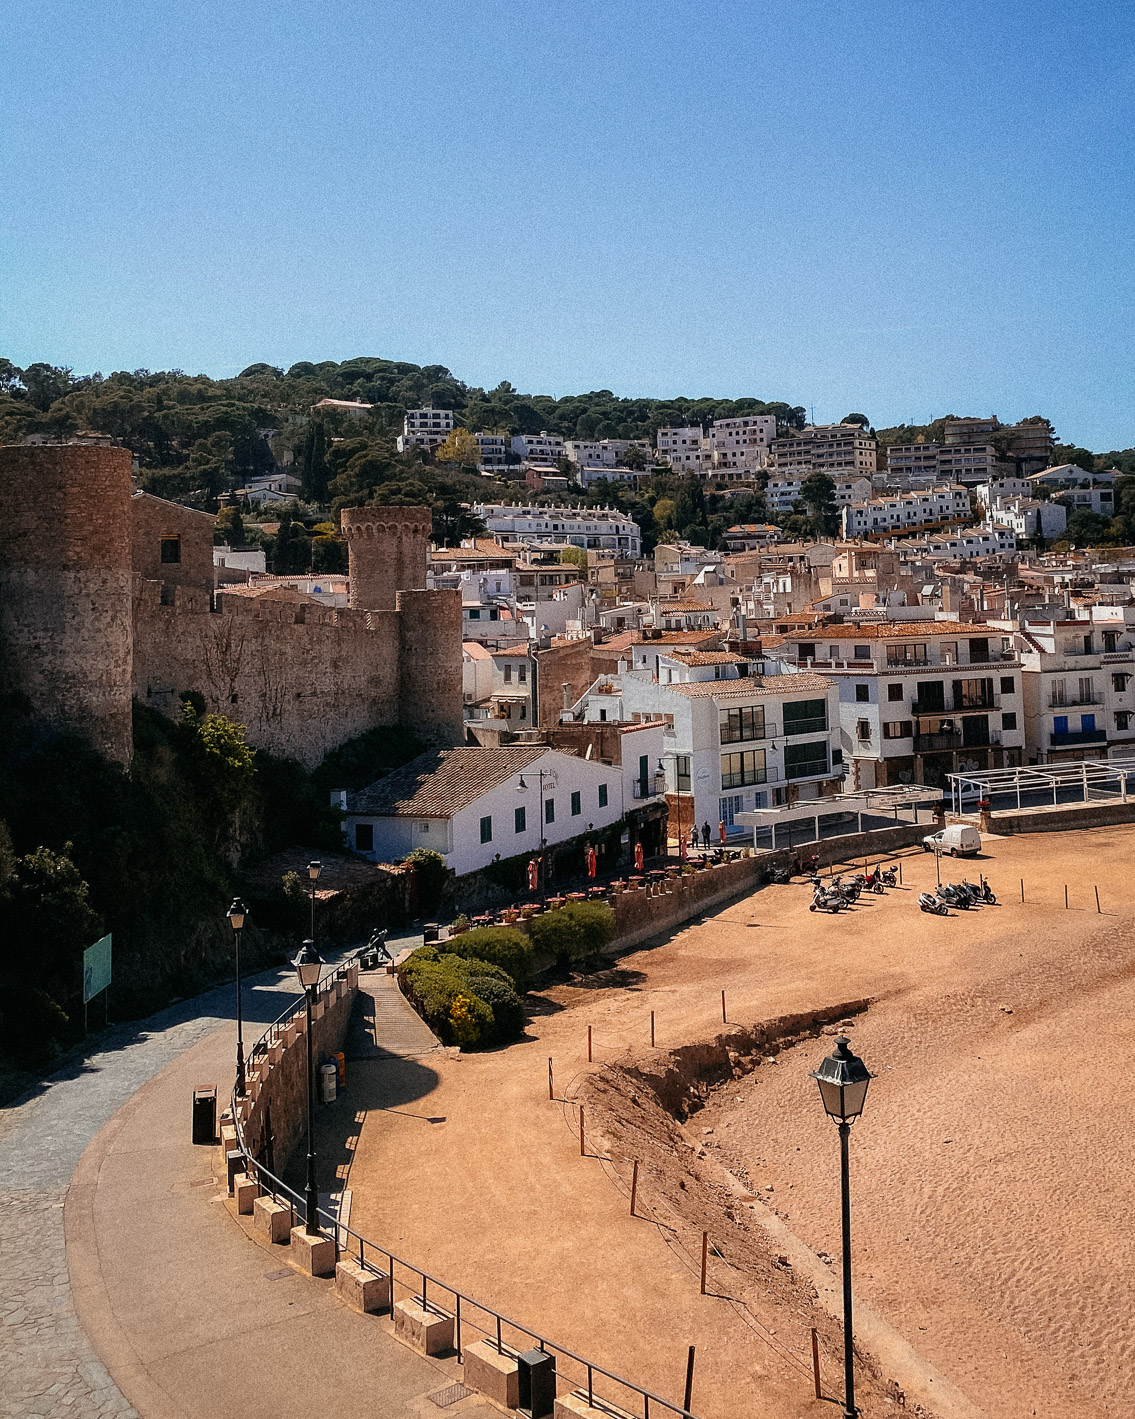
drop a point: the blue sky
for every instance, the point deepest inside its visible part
(902, 209)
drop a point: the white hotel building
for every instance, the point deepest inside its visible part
(555, 526)
(906, 512)
(425, 428)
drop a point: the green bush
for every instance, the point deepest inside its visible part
(491, 1010)
(574, 932)
(504, 946)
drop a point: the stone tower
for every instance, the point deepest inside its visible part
(65, 589)
(387, 549)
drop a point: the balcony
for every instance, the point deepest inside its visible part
(1077, 736)
(1070, 702)
(921, 711)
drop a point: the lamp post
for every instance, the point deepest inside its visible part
(236, 915)
(843, 1079)
(522, 787)
(313, 871)
(307, 964)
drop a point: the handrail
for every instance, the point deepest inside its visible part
(277, 1188)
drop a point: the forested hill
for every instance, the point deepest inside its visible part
(190, 423)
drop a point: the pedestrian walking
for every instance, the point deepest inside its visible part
(705, 834)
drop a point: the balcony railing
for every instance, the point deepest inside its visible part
(1078, 736)
(1063, 702)
(922, 711)
(806, 726)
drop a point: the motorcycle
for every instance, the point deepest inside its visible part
(826, 901)
(931, 904)
(780, 875)
(986, 891)
(889, 877)
(954, 896)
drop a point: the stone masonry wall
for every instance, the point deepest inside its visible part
(155, 518)
(387, 550)
(65, 633)
(280, 1083)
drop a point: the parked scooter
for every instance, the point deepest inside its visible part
(957, 894)
(826, 900)
(986, 891)
(888, 876)
(780, 875)
(929, 903)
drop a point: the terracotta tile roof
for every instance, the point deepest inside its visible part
(625, 639)
(706, 657)
(887, 630)
(753, 685)
(519, 649)
(439, 783)
(475, 650)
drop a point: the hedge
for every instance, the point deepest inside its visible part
(573, 932)
(467, 1002)
(504, 946)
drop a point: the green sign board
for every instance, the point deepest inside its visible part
(96, 968)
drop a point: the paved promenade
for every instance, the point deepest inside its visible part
(129, 1289)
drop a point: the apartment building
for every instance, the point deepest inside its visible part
(954, 463)
(686, 449)
(750, 536)
(741, 443)
(602, 453)
(906, 512)
(578, 527)
(967, 544)
(495, 449)
(918, 700)
(734, 741)
(538, 448)
(782, 491)
(826, 448)
(1079, 680)
(425, 428)
(1026, 517)
(1029, 444)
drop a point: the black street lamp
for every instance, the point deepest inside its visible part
(843, 1079)
(236, 915)
(308, 963)
(313, 871)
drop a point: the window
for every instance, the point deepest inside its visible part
(737, 725)
(1087, 724)
(894, 692)
(522, 674)
(1086, 690)
(1008, 684)
(171, 550)
(898, 729)
(1109, 640)
(682, 772)
(1119, 683)
(1060, 724)
(907, 655)
(973, 694)
(487, 828)
(423, 827)
(806, 651)
(1009, 721)
(364, 837)
(475, 614)
(745, 767)
(863, 652)
(549, 810)
(806, 760)
(805, 716)
(1122, 719)
(602, 795)
(520, 819)
(863, 731)
(837, 758)
(576, 804)
(862, 694)
(508, 674)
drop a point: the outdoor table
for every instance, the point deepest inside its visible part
(635, 881)
(618, 884)
(577, 896)
(556, 901)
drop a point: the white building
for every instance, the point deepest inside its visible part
(1078, 674)
(608, 474)
(782, 492)
(919, 700)
(276, 487)
(750, 536)
(352, 408)
(685, 449)
(602, 453)
(425, 428)
(495, 449)
(1024, 517)
(538, 448)
(906, 512)
(742, 443)
(579, 527)
(248, 559)
(474, 805)
(733, 741)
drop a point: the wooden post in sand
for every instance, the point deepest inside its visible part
(725, 1018)
(688, 1400)
(704, 1256)
(1066, 896)
(582, 1150)
(652, 1029)
(551, 1094)
(634, 1185)
(816, 1363)
(1097, 892)
(589, 1044)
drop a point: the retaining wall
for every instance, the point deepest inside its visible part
(277, 1078)
(1063, 819)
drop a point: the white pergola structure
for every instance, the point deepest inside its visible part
(900, 802)
(1077, 782)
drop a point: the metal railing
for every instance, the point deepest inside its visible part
(354, 1244)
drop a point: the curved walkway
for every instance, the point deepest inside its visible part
(108, 1212)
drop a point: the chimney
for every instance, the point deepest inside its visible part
(566, 688)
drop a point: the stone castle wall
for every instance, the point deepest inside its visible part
(65, 589)
(89, 616)
(387, 550)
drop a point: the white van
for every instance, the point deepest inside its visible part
(958, 840)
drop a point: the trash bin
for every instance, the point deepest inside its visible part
(328, 1074)
(205, 1114)
(536, 1383)
(431, 932)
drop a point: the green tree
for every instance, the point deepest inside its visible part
(229, 530)
(289, 553)
(575, 557)
(1078, 457)
(636, 458)
(313, 463)
(861, 419)
(817, 492)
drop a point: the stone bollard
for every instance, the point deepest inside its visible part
(271, 1218)
(494, 1375)
(575, 1406)
(428, 1332)
(246, 1191)
(360, 1288)
(315, 1255)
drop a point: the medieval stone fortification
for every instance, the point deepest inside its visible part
(105, 594)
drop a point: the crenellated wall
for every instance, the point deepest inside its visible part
(387, 549)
